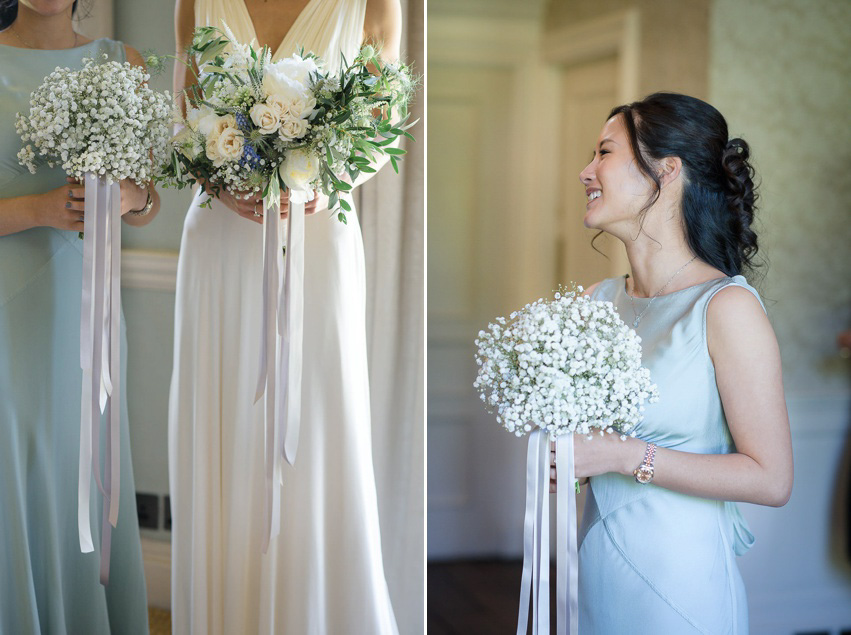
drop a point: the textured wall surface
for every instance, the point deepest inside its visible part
(780, 72)
(674, 38)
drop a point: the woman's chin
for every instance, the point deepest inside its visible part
(590, 221)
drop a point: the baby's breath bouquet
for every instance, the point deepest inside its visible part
(101, 124)
(563, 365)
(256, 125)
(553, 368)
(100, 119)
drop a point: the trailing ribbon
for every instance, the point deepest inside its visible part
(535, 582)
(100, 360)
(279, 375)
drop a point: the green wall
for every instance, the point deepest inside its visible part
(780, 71)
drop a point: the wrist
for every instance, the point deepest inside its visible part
(36, 208)
(145, 207)
(632, 455)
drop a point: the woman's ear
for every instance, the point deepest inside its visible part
(669, 169)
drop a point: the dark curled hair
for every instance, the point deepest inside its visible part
(718, 188)
(9, 12)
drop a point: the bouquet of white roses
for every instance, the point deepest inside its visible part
(101, 119)
(554, 368)
(563, 365)
(256, 125)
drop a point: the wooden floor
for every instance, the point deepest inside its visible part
(476, 597)
(159, 621)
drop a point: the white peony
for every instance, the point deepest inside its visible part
(265, 118)
(298, 68)
(299, 170)
(289, 79)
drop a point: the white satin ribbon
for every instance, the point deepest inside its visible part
(100, 360)
(279, 375)
(535, 581)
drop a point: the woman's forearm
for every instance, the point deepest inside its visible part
(733, 477)
(18, 214)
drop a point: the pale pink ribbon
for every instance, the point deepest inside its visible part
(535, 582)
(100, 360)
(281, 346)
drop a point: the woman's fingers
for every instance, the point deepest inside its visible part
(249, 214)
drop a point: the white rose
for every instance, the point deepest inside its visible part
(299, 170)
(278, 105)
(204, 119)
(229, 144)
(301, 106)
(223, 123)
(264, 117)
(212, 150)
(292, 128)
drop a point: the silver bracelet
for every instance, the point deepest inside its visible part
(145, 210)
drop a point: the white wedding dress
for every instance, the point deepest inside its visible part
(324, 573)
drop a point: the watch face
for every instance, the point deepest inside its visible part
(644, 474)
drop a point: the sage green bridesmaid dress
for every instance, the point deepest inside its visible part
(46, 584)
(652, 560)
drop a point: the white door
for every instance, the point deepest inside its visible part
(589, 92)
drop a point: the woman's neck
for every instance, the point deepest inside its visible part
(657, 251)
(33, 30)
(653, 267)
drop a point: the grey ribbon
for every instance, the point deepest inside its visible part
(279, 376)
(100, 360)
(535, 580)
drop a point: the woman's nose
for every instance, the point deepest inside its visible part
(586, 176)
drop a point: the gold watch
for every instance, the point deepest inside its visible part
(644, 473)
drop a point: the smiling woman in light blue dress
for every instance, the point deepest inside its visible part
(46, 584)
(661, 529)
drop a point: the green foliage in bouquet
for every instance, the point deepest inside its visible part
(254, 125)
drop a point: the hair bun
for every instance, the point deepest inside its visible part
(740, 190)
(738, 175)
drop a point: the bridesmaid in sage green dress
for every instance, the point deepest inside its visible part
(661, 529)
(46, 584)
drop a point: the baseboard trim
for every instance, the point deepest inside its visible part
(152, 270)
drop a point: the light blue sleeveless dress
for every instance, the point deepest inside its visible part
(46, 584)
(652, 560)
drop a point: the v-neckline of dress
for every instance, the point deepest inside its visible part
(295, 23)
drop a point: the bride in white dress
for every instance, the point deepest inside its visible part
(324, 573)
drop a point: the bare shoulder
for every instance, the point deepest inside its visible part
(382, 24)
(590, 290)
(133, 56)
(736, 324)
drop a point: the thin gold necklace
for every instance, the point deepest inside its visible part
(632, 300)
(30, 46)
